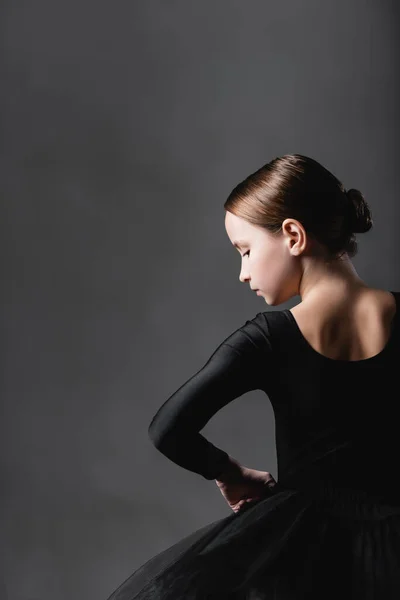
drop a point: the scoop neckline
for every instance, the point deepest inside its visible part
(373, 358)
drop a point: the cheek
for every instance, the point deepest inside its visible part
(274, 266)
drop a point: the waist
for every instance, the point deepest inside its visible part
(354, 472)
(372, 500)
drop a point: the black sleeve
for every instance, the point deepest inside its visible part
(238, 365)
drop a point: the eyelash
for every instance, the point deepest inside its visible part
(248, 252)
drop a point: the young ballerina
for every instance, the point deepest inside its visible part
(329, 526)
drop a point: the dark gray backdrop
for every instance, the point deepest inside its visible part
(124, 127)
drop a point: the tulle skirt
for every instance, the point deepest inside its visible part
(324, 543)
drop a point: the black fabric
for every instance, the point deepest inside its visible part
(330, 528)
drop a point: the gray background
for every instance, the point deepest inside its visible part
(125, 125)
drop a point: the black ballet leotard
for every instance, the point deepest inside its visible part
(331, 527)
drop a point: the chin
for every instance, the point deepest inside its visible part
(272, 302)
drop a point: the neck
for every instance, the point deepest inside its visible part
(332, 278)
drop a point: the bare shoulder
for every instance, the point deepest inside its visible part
(356, 325)
(366, 303)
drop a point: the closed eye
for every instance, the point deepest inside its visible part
(248, 252)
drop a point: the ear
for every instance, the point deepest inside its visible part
(295, 236)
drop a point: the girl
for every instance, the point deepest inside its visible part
(329, 526)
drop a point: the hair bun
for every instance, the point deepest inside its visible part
(360, 218)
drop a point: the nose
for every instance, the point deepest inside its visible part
(243, 276)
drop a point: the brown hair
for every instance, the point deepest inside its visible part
(298, 187)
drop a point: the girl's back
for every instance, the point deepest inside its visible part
(345, 326)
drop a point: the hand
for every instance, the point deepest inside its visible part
(241, 485)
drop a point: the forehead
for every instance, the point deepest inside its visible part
(239, 231)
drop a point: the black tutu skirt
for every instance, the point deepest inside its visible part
(324, 543)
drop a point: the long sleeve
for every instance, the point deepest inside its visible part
(238, 365)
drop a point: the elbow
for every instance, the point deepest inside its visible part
(154, 434)
(158, 435)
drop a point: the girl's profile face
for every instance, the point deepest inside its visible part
(267, 261)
